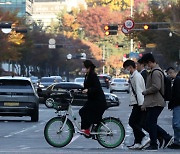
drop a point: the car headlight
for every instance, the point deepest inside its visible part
(112, 98)
(41, 86)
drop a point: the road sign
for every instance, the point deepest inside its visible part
(129, 24)
(83, 55)
(124, 30)
(52, 46)
(69, 56)
(52, 41)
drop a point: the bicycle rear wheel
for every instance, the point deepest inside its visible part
(111, 132)
(55, 136)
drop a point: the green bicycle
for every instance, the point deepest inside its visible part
(59, 130)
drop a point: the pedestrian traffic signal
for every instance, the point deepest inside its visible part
(111, 29)
(150, 26)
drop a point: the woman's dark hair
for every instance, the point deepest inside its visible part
(148, 57)
(129, 63)
(89, 64)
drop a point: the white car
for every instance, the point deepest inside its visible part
(79, 80)
(119, 84)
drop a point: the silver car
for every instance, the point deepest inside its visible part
(79, 80)
(18, 98)
(119, 84)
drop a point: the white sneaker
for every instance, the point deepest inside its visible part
(136, 146)
(145, 141)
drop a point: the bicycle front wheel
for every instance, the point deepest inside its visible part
(56, 136)
(111, 132)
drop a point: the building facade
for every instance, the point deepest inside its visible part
(15, 5)
(45, 11)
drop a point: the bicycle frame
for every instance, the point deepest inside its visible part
(70, 113)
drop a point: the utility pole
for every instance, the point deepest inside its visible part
(131, 46)
(103, 57)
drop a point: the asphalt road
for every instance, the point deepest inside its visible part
(19, 135)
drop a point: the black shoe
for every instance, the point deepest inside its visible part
(174, 146)
(151, 148)
(168, 142)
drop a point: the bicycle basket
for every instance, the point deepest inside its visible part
(61, 102)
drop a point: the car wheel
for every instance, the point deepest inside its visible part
(35, 115)
(49, 102)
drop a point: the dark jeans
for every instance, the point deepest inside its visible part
(136, 121)
(151, 125)
(89, 116)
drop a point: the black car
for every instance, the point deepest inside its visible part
(52, 93)
(104, 80)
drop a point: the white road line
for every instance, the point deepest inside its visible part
(24, 148)
(24, 130)
(37, 130)
(75, 138)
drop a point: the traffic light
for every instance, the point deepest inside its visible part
(111, 29)
(119, 45)
(21, 30)
(150, 26)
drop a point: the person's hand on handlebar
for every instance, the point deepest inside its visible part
(85, 91)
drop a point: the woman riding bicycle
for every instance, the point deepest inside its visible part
(95, 106)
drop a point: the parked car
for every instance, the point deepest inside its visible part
(104, 80)
(44, 82)
(52, 93)
(18, 97)
(119, 84)
(34, 80)
(57, 78)
(79, 80)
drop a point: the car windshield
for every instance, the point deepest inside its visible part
(119, 80)
(18, 84)
(79, 80)
(47, 80)
(34, 78)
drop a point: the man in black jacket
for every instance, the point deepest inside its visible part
(174, 105)
(141, 69)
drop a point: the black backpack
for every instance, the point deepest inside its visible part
(167, 86)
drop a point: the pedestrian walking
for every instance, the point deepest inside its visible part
(154, 103)
(174, 105)
(137, 86)
(142, 70)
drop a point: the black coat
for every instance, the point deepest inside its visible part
(175, 101)
(95, 106)
(144, 74)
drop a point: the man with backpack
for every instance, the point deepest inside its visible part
(174, 105)
(154, 103)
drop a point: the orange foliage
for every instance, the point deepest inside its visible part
(114, 61)
(94, 49)
(94, 19)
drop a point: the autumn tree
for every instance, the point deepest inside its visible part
(115, 5)
(168, 46)
(94, 19)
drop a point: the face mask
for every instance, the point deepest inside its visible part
(126, 71)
